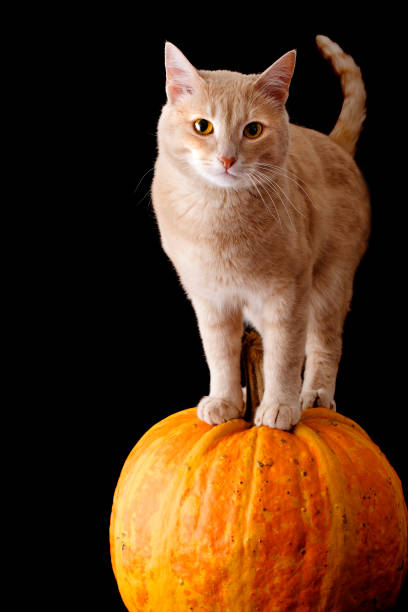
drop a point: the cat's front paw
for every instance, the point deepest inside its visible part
(277, 415)
(215, 410)
(312, 398)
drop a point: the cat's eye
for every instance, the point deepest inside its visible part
(203, 127)
(253, 130)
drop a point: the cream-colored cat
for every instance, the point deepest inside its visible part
(264, 221)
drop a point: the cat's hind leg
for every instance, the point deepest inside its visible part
(330, 298)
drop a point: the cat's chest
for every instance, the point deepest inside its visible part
(214, 251)
(217, 261)
(218, 246)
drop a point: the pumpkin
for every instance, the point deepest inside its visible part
(237, 518)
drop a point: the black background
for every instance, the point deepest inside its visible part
(129, 353)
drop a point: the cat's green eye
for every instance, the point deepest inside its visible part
(253, 130)
(203, 127)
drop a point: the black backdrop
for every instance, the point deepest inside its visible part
(131, 346)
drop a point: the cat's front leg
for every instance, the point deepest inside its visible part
(284, 319)
(221, 329)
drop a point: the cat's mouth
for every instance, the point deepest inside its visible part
(225, 178)
(229, 173)
(229, 177)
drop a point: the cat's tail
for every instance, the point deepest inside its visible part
(353, 112)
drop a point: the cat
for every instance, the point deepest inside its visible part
(265, 223)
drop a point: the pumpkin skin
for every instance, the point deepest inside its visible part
(237, 518)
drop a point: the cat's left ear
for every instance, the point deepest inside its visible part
(182, 77)
(275, 81)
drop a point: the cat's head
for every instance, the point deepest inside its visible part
(224, 126)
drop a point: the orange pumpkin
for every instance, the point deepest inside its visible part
(236, 518)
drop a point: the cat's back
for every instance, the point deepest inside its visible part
(339, 202)
(322, 163)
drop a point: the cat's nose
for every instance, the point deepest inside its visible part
(227, 162)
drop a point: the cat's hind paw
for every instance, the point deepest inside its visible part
(277, 415)
(215, 410)
(312, 398)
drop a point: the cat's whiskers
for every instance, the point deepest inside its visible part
(273, 185)
(269, 179)
(261, 184)
(283, 172)
(281, 169)
(286, 174)
(138, 185)
(147, 172)
(141, 199)
(254, 181)
(287, 197)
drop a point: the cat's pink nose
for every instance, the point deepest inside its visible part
(227, 162)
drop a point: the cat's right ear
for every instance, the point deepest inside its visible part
(181, 76)
(275, 81)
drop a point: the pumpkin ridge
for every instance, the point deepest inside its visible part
(317, 415)
(182, 417)
(165, 593)
(153, 437)
(327, 464)
(308, 513)
(250, 496)
(340, 444)
(128, 483)
(237, 526)
(205, 481)
(139, 463)
(394, 481)
(252, 489)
